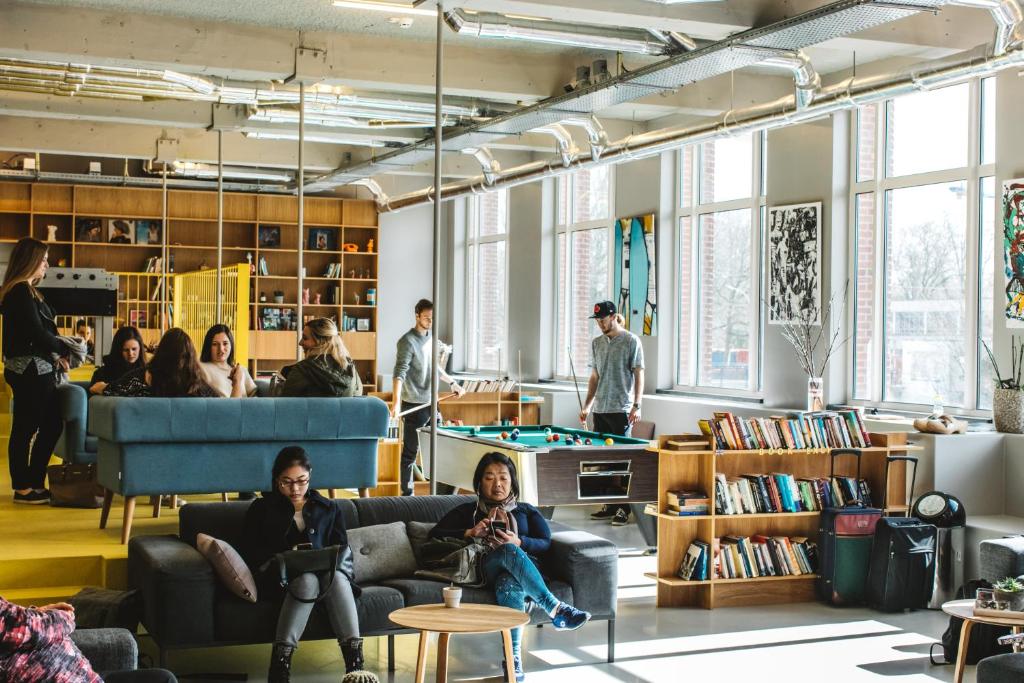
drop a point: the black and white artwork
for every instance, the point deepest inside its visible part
(794, 264)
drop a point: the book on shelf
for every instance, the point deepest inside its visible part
(694, 565)
(751, 557)
(687, 503)
(781, 492)
(802, 430)
(502, 385)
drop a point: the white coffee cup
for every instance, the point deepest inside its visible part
(452, 596)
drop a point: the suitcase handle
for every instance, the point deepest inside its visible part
(832, 469)
(890, 459)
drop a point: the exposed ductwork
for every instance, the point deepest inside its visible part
(596, 134)
(489, 25)
(374, 187)
(191, 169)
(488, 163)
(846, 95)
(567, 149)
(807, 80)
(1009, 18)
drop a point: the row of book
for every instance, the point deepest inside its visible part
(749, 557)
(333, 270)
(825, 429)
(783, 492)
(489, 385)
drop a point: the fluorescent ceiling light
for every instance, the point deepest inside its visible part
(314, 137)
(389, 7)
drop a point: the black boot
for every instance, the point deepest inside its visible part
(352, 651)
(280, 664)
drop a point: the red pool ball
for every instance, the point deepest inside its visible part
(555, 437)
(588, 442)
(504, 435)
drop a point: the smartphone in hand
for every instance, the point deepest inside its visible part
(303, 546)
(498, 525)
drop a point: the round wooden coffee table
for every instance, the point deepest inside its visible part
(965, 610)
(467, 618)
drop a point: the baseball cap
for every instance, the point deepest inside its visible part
(603, 309)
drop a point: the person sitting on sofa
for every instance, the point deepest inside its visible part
(327, 369)
(172, 372)
(217, 359)
(36, 647)
(518, 536)
(126, 354)
(290, 514)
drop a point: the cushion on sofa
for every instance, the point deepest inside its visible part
(384, 509)
(381, 551)
(418, 533)
(229, 566)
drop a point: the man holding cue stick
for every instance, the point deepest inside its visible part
(411, 387)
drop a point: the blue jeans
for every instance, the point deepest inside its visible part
(515, 578)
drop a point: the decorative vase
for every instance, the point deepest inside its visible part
(1008, 410)
(51, 233)
(815, 394)
(1016, 600)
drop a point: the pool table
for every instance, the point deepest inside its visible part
(551, 473)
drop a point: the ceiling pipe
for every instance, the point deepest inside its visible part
(567, 148)
(488, 163)
(490, 25)
(1009, 18)
(681, 41)
(374, 187)
(846, 95)
(807, 79)
(596, 134)
(134, 181)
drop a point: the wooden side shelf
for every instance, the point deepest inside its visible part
(696, 469)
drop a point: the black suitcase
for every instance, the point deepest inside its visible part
(902, 570)
(844, 546)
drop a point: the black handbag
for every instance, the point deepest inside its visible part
(320, 561)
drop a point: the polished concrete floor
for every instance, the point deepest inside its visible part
(781, 643)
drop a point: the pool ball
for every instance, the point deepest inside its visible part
(549, 438)
(514, 436)
(555, 437)
(504, 435)
(588, 442)
(609, 442)
(547, 431)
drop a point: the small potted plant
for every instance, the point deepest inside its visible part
(1008, 396)
(1010, 590)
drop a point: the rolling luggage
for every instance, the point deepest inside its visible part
(845, 536)
(902, 571)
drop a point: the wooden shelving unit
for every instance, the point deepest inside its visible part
(695, 470)
(484, 408)
(191, 231)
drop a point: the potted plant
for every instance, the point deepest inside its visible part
(1008, 398)
(1010, 590)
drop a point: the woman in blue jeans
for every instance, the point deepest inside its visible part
(518, 536)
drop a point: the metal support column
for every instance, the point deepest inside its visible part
(165, 286)
(302, 211)
(436, 276)
(220, 225)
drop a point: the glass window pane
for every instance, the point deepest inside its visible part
(726, 169)
(867, 142)
(591, 190)
(725, 341)
(764, 164)
(927, 131)
(589, 285)
(926, 248)
(988, 120)
(471, 308)
(563, 200)
(684, 372)
(562, 304)
(492, 213)
(686, 177)
(491, 293)
(986, 297)
(866, 338)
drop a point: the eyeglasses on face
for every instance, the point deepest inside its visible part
(293, 483)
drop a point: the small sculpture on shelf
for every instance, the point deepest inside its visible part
(316, 298)
(305, 295)
(263, 297)
(51, 233)
(369, 246)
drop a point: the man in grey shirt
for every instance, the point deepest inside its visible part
(411, 386)
(616, 386)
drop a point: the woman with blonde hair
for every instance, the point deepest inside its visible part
(327, 369)
(32, 356)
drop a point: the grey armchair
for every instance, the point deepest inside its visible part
(108, 649)
(1008, 668)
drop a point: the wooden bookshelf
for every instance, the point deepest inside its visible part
(483, 408)
(696, 469)
(26, 209)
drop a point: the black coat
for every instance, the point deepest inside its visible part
(270, 529)
(534, 532)
(29, 328)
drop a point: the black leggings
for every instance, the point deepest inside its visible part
(35, 414)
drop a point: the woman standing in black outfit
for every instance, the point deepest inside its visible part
(30, 347)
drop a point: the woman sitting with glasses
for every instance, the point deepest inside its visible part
(518, 536)
(292, 514)
(327, 369)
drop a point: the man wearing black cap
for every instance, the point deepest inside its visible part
(616, 386)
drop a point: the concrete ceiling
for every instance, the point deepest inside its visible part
(255, 41)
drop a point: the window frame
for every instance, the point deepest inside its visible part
(972, 176)
(472, 252)
(756, 204)
(567, 228)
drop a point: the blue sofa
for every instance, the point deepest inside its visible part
(75, 445)
(158, 446)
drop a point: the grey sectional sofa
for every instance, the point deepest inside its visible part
(186, 607)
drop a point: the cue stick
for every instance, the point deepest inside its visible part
(574, 380)
(424, 405)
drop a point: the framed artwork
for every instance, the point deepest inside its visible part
(362, 324)
(137, 318)
(1013, 250)
(323, 239)
(148, 232)
(120, 231)
(270, 236)
(89, 230)
(635, 286)
(794, 264)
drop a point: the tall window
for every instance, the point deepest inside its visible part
(721, 209)
(487, 282)
(583, 251)
(923, 248)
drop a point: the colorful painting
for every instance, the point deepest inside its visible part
(794, 264)
(1013, 250)
(636, 274)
